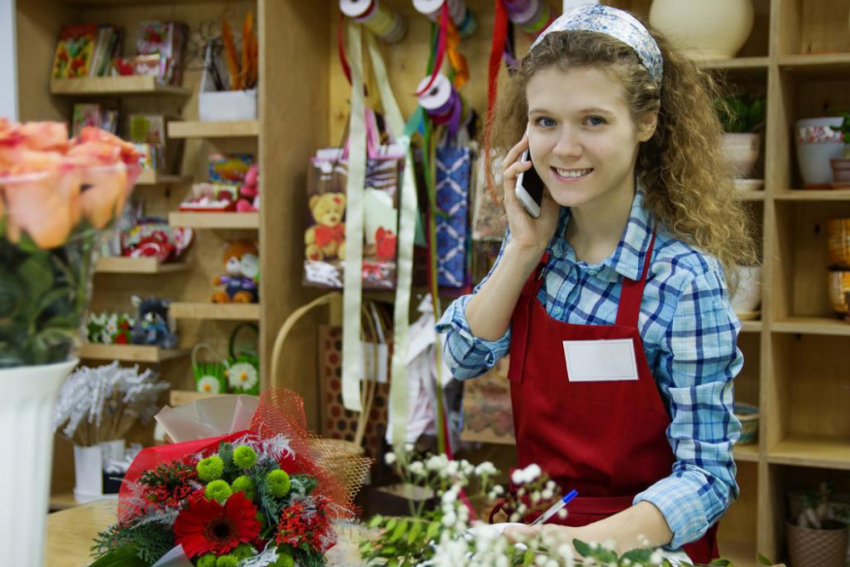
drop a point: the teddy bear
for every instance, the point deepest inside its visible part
(326, 239)
(241, 262)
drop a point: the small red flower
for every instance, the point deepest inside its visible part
(205, 526)
(308, 525)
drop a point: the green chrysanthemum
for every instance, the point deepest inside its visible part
(245, 485)
(244, 551)
(284, 558)
(210, 469)
(227, 561)
(244, 457)
(278, 483)
(218, 490)
(207, 560)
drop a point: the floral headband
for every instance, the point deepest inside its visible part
(617, 24)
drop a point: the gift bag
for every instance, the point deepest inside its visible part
(487, 412)
(453, 177)
(243, 365)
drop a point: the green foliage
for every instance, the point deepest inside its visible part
(226, 561)
(124, 557)
(302, 484)
(168, 475)
(278, 483)
(244, 457)
(218, 490)
(764, 560)
(211, 468)
(244, 551)
(150, 541)
(309, 558)
(741, 113)
(207, 560)
(405, 541)
(245, 485)
(285, 557)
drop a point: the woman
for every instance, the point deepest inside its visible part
(613, 303)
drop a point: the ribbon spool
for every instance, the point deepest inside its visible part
(442, 103)
(462, 16)
(384, 22)
(532, 16)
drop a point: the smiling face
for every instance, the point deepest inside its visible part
(582, 137)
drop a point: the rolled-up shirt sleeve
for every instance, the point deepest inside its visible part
(466, 355)
(698, 362)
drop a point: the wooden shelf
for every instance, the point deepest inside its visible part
(248, 221)
(740, 554)
(122, 265)
(216, 311)
(151, 177)
(821, 65)
(114, 86)
(750, 195)
(813, 195)
(812, 451)
(227, 129)
(747, 453)
(751, 326)
(130, 353)
(812, 326)
(738, 66)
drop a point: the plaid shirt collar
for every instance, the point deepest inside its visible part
(628, 258)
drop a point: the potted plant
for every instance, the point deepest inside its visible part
(742, 117)
(818, 534)
(841, 166)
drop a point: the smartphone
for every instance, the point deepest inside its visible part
(529, 188)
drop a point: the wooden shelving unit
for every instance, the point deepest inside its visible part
(812, 326)
(113, 86)
(122, 265)
(229, 129)
(216, 311)
(150, 177)
(130, 353)
(247, 221)
(812, 451)
(813, 195)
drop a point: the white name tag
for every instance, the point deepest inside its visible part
(601, 361)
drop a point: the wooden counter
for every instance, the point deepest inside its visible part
(70, 533)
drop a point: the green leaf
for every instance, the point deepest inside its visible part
(11, 295)
(398, 531)
(391, 524)
(36, 276)
(433, 530)
(582, 548)
(637, 555)
(764, 560)
(720, 562)
(528, 557)
(376, 521)
(415, 531)
(121, 557)
(54, 295)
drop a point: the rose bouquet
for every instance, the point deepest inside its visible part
(258, 496)
(56, 196)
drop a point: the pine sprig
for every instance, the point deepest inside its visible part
(151, 540)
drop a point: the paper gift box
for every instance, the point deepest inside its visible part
(337, 422)
(325, 240)
(487, 413)
(453, 177)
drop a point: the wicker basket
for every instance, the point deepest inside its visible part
(749, 416)
(838, 238)
(839, 285)
(816, 548)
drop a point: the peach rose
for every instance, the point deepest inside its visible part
(104, 193)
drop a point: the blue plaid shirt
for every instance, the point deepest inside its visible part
(689, 333)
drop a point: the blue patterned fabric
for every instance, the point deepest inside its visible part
(689, 333)
(453, 175)
(619, 25)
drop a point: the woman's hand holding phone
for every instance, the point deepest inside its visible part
(531, 235)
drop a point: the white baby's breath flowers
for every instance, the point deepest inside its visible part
(449, 520)
(532, 473)
(547, 494)
(562, 513)
(643, 540)
(656, 558)
(485, 469)
(535, 497)
(408, 447)
(609, 544)
(390, 458)
(514, 517)
(567, 554)
(416, 468)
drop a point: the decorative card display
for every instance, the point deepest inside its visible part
(74, 51)
(453, 176)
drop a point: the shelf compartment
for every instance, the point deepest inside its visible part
(747, 453)
(248, 221)
(812, 326)
(130, 353)
(150, 177)
(751, 326)
(225, 129)
(113, 86)
(806, 450)
(820, 65)
(123, 265)
(216, 311)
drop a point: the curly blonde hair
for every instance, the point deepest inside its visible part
(683, 168)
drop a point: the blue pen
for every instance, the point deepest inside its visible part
(556, 507)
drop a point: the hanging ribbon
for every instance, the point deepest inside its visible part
(352, 294)
(441, 48)
(456, 58)
(497, 50)
(399, 397)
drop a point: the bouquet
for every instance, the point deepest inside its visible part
(56, 196)
(263, 494)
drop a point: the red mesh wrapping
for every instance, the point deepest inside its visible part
(339, 472)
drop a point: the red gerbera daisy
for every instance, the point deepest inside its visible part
(205, 526)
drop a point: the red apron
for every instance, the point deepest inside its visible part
(608, 440)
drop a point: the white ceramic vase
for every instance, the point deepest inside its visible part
(704, 30)
(743, 152)
(26, 440)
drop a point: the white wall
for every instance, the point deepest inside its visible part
(8, 61)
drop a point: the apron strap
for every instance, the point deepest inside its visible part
(628, 311)
(521, 318)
